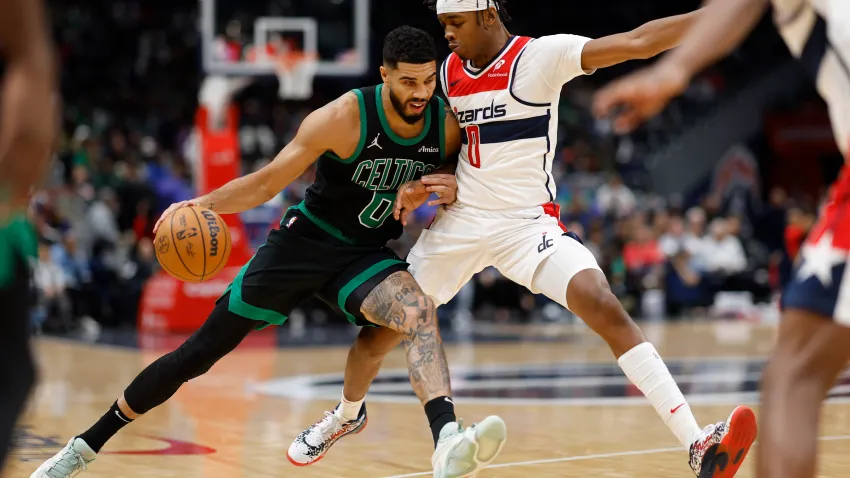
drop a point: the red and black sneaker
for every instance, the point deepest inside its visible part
(720, 450)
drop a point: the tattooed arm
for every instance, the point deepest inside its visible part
(398, 303)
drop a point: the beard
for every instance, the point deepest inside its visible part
(399, 105)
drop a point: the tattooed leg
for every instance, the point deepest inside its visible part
(399, 304)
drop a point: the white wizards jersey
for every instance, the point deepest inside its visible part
(508, 112)
(818, 33)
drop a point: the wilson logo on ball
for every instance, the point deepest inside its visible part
(212, 225)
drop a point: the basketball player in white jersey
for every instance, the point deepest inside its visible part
(504, 91)
(814, 336)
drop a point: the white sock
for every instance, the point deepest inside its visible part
(347, 410)
(647, 371)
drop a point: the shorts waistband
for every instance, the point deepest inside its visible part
(299, 221)
(524, 213)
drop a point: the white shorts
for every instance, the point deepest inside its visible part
(463, 241)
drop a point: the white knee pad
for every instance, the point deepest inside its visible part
(556, 271)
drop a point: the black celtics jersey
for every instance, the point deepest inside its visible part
(353, 198)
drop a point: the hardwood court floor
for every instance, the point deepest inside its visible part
(569, 411)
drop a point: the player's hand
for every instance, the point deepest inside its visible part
(635, 98)
(443, 185)
(410, 196)
(171, 209)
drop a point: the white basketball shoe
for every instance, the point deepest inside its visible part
(464, 452)
(70, 461)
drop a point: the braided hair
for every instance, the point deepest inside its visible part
(499, 4)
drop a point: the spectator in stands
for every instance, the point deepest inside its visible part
(684, 285)
(673, 240)
(74, 264)
(53, 308)
(724, 254)
(800, 222)
(133, 190)
(134, 274)
(694, 236)
(170, 182)
(644, 262)
(615, 198)
(642, 253)
(143, 222)
(103, 217)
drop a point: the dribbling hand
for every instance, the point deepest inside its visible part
(414, 194)
(171, 209)
(443, 185)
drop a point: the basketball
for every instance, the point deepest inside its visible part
(193, 244)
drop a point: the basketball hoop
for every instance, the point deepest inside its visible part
(295, 71)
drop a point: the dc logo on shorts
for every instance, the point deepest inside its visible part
(546, 244)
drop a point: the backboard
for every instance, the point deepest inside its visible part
(238, 38)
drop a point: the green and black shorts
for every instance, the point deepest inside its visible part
(302, 259)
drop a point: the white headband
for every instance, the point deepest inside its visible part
(460, 6)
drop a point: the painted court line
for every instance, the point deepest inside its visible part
(597, 456)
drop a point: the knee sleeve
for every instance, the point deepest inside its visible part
(554, 274)
(217, 337)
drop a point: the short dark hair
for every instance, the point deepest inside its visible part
(499, 4)
(408, 45)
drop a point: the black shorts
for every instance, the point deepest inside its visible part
(302, 259)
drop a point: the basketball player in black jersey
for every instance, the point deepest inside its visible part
(27, 131)
(368, 143)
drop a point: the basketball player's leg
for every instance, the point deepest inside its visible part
(264, 292)
(345, 293)
(810, 352)
(349, 416)
(364, 361)
(220, 334)
(373, 344)
(17, 370)
(571, 277)
(812, 348)
(400, 304)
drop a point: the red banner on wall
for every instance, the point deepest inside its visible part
(168, 304)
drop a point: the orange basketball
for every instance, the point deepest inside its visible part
(193, 244)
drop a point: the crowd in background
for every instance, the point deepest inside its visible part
(127, 151)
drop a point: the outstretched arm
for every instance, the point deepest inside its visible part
(28, 108)
(722, 26)
(643, 42)
(312, 141)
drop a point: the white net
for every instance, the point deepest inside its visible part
(295, 72)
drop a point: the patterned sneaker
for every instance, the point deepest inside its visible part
(314, 442)
(70, 461)
(464, 452)
(720, 450)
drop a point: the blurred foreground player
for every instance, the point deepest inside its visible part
(27, 130)
(814, 336)
(370, 144)
(505, 91)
